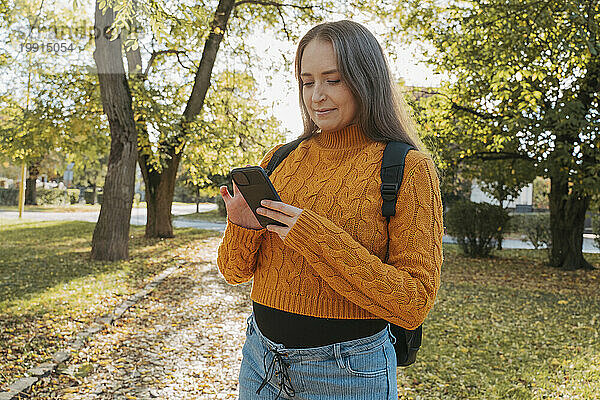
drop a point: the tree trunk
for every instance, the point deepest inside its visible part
(111, 235)
(567, 217)
(30, 185)
(160, 188)
(160, 185)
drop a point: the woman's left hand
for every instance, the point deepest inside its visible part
(281, 212)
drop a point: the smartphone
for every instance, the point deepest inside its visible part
(255, 185)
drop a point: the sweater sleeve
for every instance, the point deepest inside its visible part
(238, 250)
(401, 291)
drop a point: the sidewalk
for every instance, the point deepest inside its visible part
(183, 341)
(588, 243)
(138, 215)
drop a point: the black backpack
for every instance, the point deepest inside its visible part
(408, 342)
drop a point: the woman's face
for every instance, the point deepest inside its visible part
(327, 98)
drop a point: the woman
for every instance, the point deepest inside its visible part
(323, 292)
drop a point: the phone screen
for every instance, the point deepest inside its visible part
(255, 185)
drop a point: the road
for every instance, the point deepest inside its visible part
(588, 244)
(138, 217)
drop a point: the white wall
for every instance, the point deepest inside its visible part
(525, 196)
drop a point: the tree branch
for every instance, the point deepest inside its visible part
(159, 53)
(244, 124)
(475, 112)
(272, 3)
(283, 21)
(209, 54)
(497, 155)
(456, 106)
(180, 63)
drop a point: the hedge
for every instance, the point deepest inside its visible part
(54, 197)
(9, 197)
(477, 227)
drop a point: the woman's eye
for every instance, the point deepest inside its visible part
(307, 83)
(336, 81)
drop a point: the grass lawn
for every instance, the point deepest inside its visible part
(50, 289)
(502, 328)
(509, 328)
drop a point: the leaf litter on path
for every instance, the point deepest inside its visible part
(183, 341)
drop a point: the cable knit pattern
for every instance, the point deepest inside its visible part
(330, 264)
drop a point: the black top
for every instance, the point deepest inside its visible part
(301, 331)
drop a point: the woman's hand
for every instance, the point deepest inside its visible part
(281, 212)
(238, 211)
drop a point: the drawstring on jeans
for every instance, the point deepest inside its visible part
(285, 383)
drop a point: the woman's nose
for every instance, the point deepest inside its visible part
(318, 94)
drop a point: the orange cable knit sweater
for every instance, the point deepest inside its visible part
(330, 264)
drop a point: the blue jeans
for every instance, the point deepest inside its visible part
(358, 369)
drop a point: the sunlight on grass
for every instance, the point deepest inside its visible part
(80, 295)
(50, 288)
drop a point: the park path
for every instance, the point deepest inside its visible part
(183, 341)
(138, 216)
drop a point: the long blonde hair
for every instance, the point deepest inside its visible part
(382, 111)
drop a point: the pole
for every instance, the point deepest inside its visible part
(23, 169)
(22, 191)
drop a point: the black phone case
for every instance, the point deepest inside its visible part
(255, 185)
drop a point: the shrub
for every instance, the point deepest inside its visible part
(54, 197)
(476, 226)
(183, 194)
(73, 195)
(186, 194)
(221, 206)
(88, 196)
(535, 227)
(136, 199)
(9, 197)
(208, 195)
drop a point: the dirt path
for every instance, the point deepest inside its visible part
(181, 342)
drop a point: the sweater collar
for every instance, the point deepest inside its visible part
(346, 138)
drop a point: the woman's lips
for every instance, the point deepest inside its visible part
(323, 112)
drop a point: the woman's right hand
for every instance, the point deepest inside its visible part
(238, 211)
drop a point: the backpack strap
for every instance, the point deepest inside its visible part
(280, 154)
(407, 342)
(392, 171)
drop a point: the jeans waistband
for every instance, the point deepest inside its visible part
(324, 352)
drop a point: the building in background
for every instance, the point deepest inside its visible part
(523, 202)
